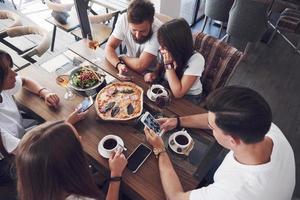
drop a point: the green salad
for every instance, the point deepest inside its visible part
(84, 78)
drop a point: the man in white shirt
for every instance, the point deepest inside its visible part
(260, 164)
(137, 30)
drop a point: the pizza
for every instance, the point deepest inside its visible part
(119, 101)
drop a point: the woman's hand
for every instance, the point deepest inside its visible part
(75, 117)
(150, 77)
(167, 124)
(51, 99)
(117, 164)
(154, 139)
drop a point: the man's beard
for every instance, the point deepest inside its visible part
(143, 39)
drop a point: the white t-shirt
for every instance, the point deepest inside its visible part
(195, 67)
(270, 181)
(76, 197)
(122, 32)
(11, 127)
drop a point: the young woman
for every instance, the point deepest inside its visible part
(183, 66)
(10, 119)
(51, 165)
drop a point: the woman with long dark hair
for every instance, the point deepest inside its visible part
(51, 165)
(183, 66)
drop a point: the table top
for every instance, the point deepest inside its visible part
(145, 184)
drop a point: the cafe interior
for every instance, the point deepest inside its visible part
(251, 43)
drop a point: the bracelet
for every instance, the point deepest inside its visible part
(169, 66)
(115, 178)
(120, 62)
(178, 123)
(39, 92)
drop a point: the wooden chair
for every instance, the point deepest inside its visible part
(221, 59)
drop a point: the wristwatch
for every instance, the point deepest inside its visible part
(169, 66)
(119, 63)
(158, 151)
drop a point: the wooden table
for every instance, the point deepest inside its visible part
(145, 184)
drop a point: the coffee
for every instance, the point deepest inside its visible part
(110, 144)
(157, 91)
(182, 139)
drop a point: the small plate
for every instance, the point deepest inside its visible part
(103, 152)
(149, 95)
(178, 150)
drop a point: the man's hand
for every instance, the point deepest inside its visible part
(167, 124)
(122, 69)
(75, 117)
(154, 139)
(150, 77)
(51, 99)
(117, 163)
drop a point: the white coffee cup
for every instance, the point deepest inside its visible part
(157, 90)
(110, 144)
(182, 140)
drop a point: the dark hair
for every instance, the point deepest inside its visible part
(140, 11)
(6, 62)
(51, 163)
(240, 112)
(176, 37)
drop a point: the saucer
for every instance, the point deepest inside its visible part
(101, 149)
(149, 95)
(177, 150)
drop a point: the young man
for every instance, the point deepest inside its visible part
(137, 30)
(260, 164)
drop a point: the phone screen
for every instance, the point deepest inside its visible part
(137, 158)
(85, 104)
(151, 123)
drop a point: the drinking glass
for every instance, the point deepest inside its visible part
(63, 81)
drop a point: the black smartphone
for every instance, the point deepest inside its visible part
(85, 104)
(138, 157)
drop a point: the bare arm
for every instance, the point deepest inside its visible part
(139, 64)
(170, 181)
(51, 99)
(191, 121)
(117, 164)
(110, 50)
(179, 87)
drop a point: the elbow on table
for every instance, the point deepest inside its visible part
(178, 95)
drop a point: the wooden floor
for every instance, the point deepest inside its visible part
(275, 73)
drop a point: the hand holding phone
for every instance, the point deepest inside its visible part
(149, 121)
(85, 104)
(138, 157)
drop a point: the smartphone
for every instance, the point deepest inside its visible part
(149, 121)
(85, 104)
(138, 157)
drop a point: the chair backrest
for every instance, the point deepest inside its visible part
(248, 19)
(59, 7)
(218, 9)
(41, 48)
(6, 14)
(220, 61)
